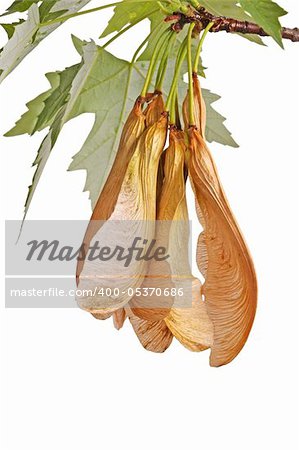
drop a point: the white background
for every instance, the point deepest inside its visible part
(72, 382)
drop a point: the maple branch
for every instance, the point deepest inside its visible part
(202, 18)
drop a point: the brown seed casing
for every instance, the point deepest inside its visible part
(154, 109)
(172, 193)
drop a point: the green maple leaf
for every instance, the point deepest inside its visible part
(43, 109)
(216, 130)
(41, 115)
(27, 35)
(15, 48)
(92, 87)
(42, 157)
(157, 25)
(126, 13)
(106, 86)
(19, 6)
(10, 28)
(266, 13)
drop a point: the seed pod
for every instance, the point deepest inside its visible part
(188, 319)
(230, 287)
(105, 205)
(153, 113)
(173, 190)
(135, 211)
(159, 275)
(200, 112)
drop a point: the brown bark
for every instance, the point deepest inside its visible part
(202, 18)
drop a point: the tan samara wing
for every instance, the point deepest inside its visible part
(133, 128)
(191, 325)
(230, 287)
(107, 284)
(188, 319)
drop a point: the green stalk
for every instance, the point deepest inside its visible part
(164, 61)
(199, 48)
(131, 69)
(190, 79)
(153, 63)
(179, 61)
(173, 108)
(166, 10)
(164, 51)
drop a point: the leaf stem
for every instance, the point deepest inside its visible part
(199, 48)
(190, 79)
(88, 11)
(77, 14)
